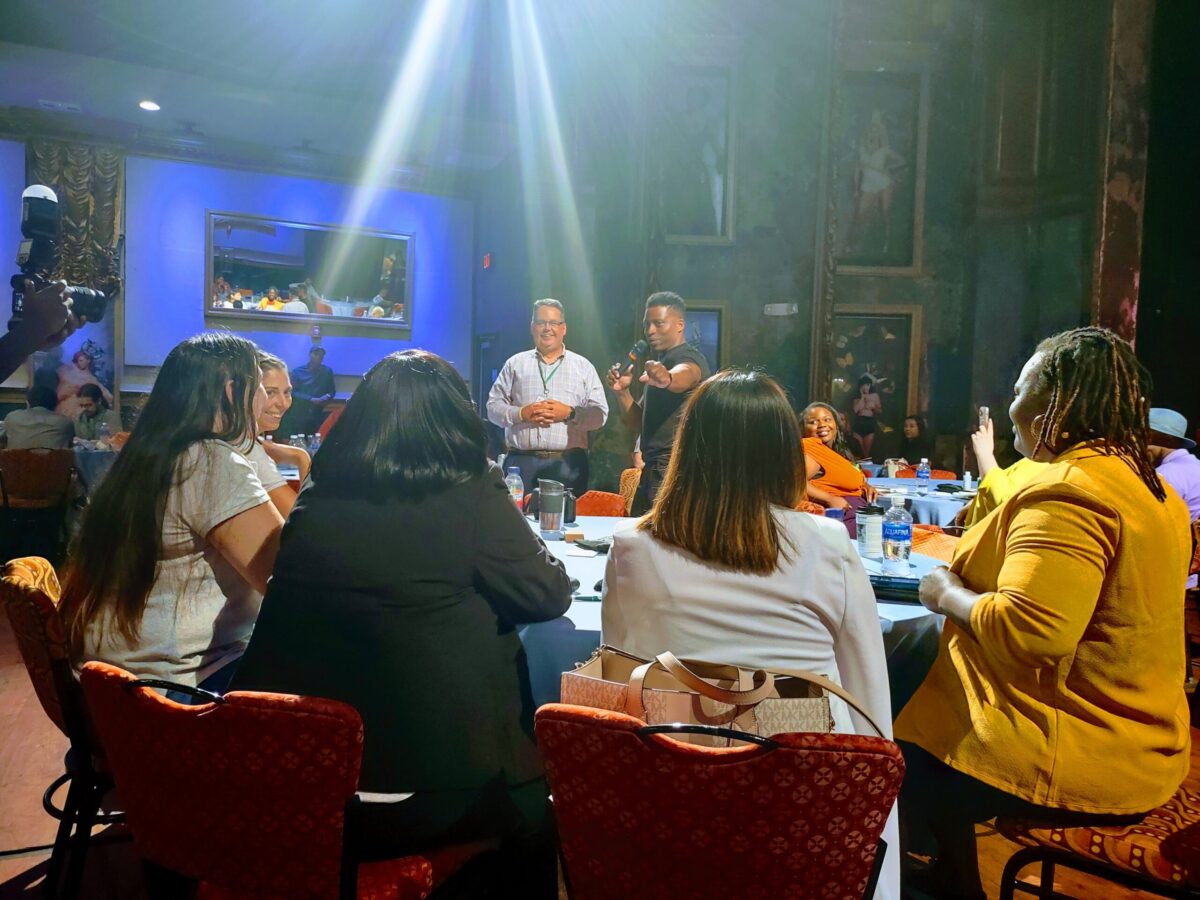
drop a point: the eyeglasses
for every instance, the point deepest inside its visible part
(548, 323)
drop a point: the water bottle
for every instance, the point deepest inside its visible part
(968, 482)
(516, 487)
(297, 441)
(314, 445)
(923, 473)
(897, 538)
(104, 434)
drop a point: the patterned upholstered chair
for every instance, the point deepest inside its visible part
(600, 503)
(1159, 854)
(250, 794)
(629, 486)
(30, 593)
(643, 816)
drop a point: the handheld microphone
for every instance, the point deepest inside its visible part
(632, 357)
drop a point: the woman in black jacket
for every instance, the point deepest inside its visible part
(402, 575)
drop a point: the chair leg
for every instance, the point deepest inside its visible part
(1008, 880)
(62, 838)
(1046, 889)
(93, 795)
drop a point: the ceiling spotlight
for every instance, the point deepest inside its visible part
(149, 106)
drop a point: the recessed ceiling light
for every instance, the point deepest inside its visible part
(149, 106)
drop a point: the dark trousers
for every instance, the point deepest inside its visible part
(526, 864)
(570, 467)
(651, 480)
(943, 804)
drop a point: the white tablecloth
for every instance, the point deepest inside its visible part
(933, 508)
(909, 630)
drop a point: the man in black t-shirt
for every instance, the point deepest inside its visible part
(673, 373)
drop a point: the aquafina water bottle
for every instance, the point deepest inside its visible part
(897, 538)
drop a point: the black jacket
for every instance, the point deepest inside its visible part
(407, 611)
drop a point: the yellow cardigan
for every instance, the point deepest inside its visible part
(997, 486)
(1071, 693)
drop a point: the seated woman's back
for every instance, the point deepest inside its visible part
(407, 610)
(403, 572)
(724, 570)
(177, 544)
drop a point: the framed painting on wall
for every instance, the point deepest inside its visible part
(706, 332)
(696, 153)
(880, 152)
(875, 368)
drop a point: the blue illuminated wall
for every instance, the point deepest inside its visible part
(165, 264)
(12, 182)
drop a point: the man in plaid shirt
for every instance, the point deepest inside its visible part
(547, 400)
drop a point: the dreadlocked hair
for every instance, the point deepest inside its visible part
(1098, 392)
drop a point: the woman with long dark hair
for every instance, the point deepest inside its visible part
(724, 569)
(175, 549)
(403, 574)
(1056, 693)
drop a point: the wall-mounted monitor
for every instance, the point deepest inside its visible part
(262, 269)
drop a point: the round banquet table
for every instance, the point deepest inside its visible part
(934, 508)
(910, 632)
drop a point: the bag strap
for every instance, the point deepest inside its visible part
(764, 685)
(837, 690)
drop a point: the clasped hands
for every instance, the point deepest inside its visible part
(545, 412)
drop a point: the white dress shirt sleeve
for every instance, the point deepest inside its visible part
(500, 407)
(592, 413)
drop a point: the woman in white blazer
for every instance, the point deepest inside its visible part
(724, 569)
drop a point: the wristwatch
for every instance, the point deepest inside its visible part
(571, 417)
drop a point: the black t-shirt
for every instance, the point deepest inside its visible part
(661, 408)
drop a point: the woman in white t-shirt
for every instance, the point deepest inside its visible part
(175, 550)
(724, 569)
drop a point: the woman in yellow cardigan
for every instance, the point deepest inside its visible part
(1058, 685)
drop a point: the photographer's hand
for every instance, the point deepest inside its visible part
(47, 322)
(48, 315)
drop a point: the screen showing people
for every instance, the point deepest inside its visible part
(269, 267)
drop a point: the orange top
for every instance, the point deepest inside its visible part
(840, 476)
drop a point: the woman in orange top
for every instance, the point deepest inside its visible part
(833, 475)
(1057, 692)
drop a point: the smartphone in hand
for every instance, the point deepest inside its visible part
(984, 415)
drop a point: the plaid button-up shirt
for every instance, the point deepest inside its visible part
(575, 383)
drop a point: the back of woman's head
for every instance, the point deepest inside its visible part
(409, 430)
(1096, 390)
(737, 453)
(204, 390)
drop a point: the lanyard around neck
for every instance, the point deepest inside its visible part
(546, 379)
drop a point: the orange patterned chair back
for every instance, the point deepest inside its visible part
(248, 795)
(600, 503)
(35, 479)
(934, 474)
(629, 486)
(645, 816)
(30, 591)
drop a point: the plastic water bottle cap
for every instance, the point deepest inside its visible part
(513, 470)
(897, 500)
